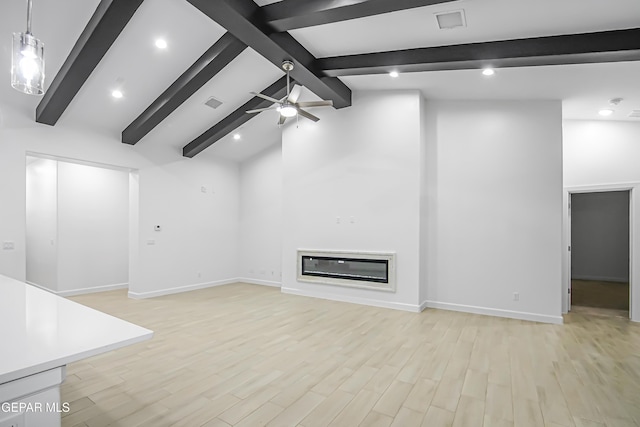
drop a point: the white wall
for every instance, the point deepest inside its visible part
(603, 155)
(93, 227)
(361, 162)
(198, 245)
(42, 223)
(495, 171)
(261, 217)
(428, 190)
(600, 236)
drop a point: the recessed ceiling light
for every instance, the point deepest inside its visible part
(488, 72)
(161, 43)
(117, 94)
(236, 136)
(605, 112)
(394, 74)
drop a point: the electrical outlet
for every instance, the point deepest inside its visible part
(14, 420)
(199, 275)
(516, 296)
(337, 220)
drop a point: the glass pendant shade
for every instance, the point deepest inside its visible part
(27, 64)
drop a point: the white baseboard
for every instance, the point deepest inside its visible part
(601, 278)
(180, 289)
(82, 291)
(354, 300)
(259, 282)
(521, 315)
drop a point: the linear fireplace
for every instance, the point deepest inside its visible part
(371, 270)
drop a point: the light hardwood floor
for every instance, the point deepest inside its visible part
(247, 355)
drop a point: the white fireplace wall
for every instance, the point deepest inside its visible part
(351, 183)
(261, 217)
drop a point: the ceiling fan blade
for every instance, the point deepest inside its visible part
(307, 115)
(268, 98)
(315, 104)
(295, 94)
(260, 110)
(281, 120)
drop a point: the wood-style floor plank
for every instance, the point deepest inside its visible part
(246, 355)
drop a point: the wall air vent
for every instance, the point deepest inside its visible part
(450, 20)
(213, 103)
(635, 114)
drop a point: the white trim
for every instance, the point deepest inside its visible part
(354, 300)
(533, 317)
(180, 289)
(623, 186)
(602, 278)
(82, 291)
(259, 282)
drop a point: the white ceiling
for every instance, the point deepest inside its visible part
(142, 72)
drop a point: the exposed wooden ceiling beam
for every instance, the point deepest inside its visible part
(218, 56)
(243, 19)
(605, 46)
(291, 14)
(109, 19)
(236, 119)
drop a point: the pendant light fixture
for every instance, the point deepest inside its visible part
(27, 61)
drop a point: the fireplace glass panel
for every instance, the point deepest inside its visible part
(367, 270)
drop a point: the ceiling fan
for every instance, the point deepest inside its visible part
(288, 106)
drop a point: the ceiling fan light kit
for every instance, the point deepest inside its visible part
(288, 106)
(27, 61)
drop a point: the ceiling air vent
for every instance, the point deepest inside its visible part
(450, 20)
(213, 103)
(635, 114)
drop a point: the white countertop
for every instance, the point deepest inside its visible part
(41, 331)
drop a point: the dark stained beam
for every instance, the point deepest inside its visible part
(218, 56)
(605, 46)
(109, 19)
(236, 119)
(243, 19)
(291, 14)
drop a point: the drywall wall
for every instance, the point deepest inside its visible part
(93, 229)
(41, 243)
(600, 236)
(494, 172)
(602, 156)
(428, 190)
(198, 244)
(351, 183)
(261, 217)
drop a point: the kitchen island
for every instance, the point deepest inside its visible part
(40, 333)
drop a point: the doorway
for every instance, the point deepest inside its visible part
(600, 252)
(77, 225)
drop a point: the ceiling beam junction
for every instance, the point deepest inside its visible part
(244, 19)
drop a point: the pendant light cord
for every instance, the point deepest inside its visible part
(29, 16)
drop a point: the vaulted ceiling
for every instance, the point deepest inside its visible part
(583, 52)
